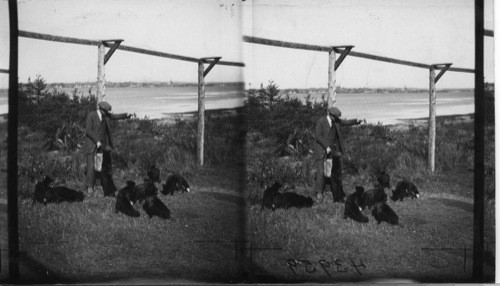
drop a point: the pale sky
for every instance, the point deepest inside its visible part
(190, 28)
(424, 31)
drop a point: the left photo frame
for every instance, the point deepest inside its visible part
(130, 134)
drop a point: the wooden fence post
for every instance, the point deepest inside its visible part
(201, 113)
(432, 118)
(332, 79)
(101, 78)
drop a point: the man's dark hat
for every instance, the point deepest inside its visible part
(334, 111)
(104, 106)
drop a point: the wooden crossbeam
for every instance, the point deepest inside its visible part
(292, 45)
(213, 61)
(343, 54)
(444, 68)
(283, 44)
(46, 37)
(4, 71)
(489, 33)
(389, 60)
(112, 48)
(53, 38)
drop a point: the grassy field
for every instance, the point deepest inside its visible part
(88, 242)
(319, 245)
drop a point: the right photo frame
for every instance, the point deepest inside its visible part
(363, 145)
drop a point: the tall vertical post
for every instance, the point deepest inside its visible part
(101, 78)
(332, 79)
(201, 113)
(12, 180)
(432, 119)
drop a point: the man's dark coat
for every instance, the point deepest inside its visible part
(322, 134)
(92, 124)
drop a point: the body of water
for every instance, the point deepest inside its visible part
(387, 108)
(391, 108)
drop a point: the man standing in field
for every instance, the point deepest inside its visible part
(329, 142)
(98, 136)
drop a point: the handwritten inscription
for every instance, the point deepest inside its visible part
(338, 265)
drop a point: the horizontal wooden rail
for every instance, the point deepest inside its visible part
(489, 33)
(53, 38)
(46, 37)
(292, 45)
(4, 71)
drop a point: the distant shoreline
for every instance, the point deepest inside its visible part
(169, 118)
(313, 90)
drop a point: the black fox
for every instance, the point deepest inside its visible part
(41, 189)
(124, 200)
(382, 212)
(153, 173)
(175, 183)
(147, 188)
(291, 200)
(63, 194)
(353, 205)
(405, 189)
(384, 180)
(372, 196)
(155, 207)
(269, 194)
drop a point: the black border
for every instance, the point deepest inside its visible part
(478, 241)
(479, 120)
(12, 211)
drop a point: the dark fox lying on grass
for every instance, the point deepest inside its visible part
(175, 183)
(273, 199)
(155, 207)
(291, 200)
(124, 200)
(63, 194)
(405, 189)
(44, 193)
(382, 212)
(40, 189)
(353, 205)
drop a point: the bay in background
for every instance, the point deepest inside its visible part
(386, 108)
